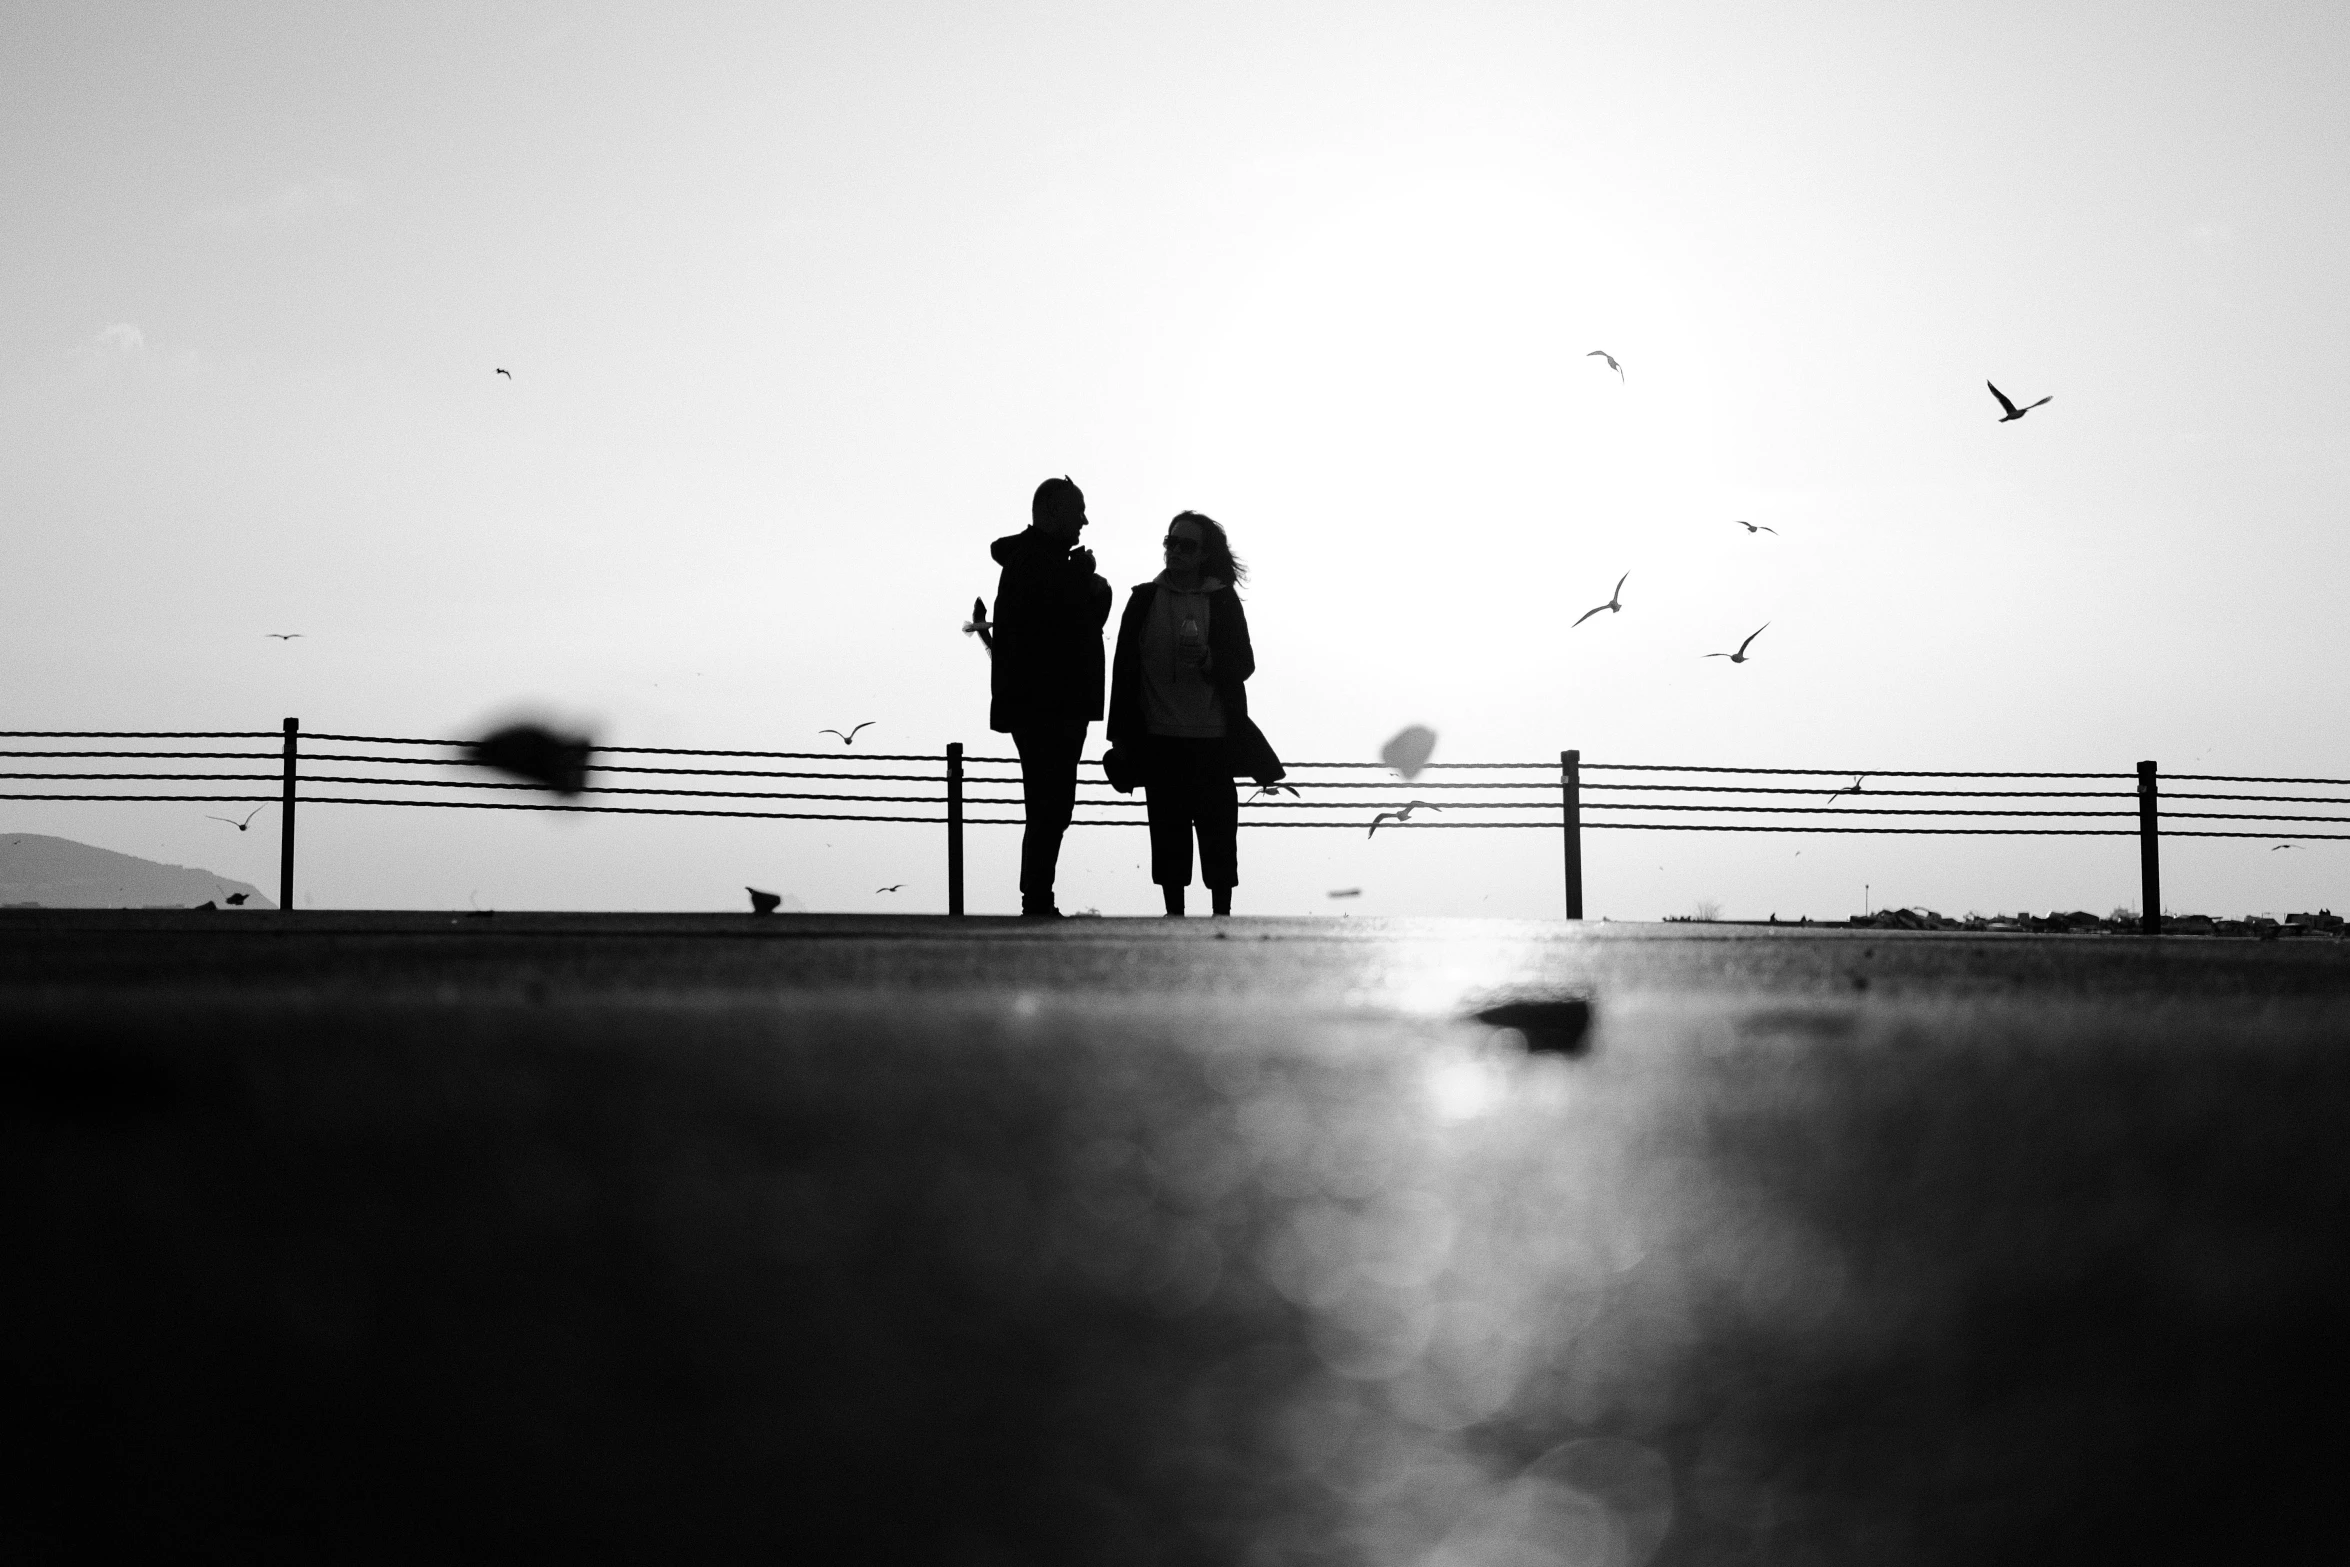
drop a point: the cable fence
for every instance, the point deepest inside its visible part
(248, 771)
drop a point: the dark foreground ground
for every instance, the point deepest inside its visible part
(401, 1238)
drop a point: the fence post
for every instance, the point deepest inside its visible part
(1571, 791)
(955, 828)
(2149, 854)
(285, 824)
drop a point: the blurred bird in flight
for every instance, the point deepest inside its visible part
(1289, 789)
(978, 625)
(892, 887)
(1601, 353)
(1614, 604)
(2013, 412)
(1755, 527)
(1856, 782)
(233, 822)
(1408, 751)
(1739, 657)
(282, 636)
(1346, 892)
(851, 737)
(555, 761)
(508, 374)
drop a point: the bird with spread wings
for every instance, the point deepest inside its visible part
(1614, 604)
(1739, 657)
(2013, 412)
(851, 737)
(1403, 815)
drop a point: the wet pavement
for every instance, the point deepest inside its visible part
(722, 1238)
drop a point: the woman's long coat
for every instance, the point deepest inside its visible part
(1231, 660)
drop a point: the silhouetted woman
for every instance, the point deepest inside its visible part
(1179, 702)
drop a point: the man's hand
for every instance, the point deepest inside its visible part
(1082, 559)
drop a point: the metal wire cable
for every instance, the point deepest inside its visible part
(2267, 799)
(139, 734)
(992, 800)
(160, 756)
(2249, 816)
(2290, 837)
(1014, 821)
(1972, 794)
(1823, 772)
(1833, 810)
(148, 777)
(1667, 767)
(715, 794)
(1975, 832)
(170, 799)
(599, 767)
(657, 750)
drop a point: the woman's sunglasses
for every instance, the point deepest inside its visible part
(1182, 546)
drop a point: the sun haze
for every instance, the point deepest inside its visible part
(808, 300)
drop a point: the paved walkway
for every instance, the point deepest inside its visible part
(1123, 1241)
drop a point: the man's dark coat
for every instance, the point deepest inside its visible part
(1049, 614)
(1231, 660)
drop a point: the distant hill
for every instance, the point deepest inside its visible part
(58, 873)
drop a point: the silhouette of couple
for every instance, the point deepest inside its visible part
(1179, 723)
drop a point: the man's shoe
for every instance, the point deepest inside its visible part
(1040, 911)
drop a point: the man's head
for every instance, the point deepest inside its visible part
(1058, 509)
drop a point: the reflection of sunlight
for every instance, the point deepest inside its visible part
(1463, 1087)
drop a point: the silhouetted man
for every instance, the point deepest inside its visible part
(1047, 677)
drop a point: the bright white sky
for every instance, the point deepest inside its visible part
(801, 302)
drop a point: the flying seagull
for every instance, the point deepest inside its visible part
(282, 636)
(1403, 815)
(1273, 789)
(851, 737)
(1739, 657)
(1601, 353)
(892, 887)
(1346, 892)
(233, 822)
(1857, 781)
(2274, 847)
(1754, 527)
(977, 625)
(508, 374)
(762, 902)
(1615, 602)
(2013, 412)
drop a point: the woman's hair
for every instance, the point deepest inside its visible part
(1215, 552)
